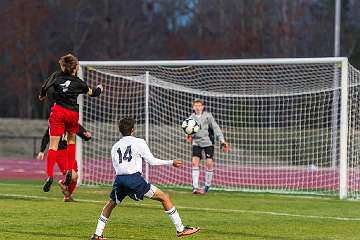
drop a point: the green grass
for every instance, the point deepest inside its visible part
(28, 213)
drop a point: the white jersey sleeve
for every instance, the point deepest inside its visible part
(149, 157)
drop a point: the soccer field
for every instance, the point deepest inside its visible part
(28, 213)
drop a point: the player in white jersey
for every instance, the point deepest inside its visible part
(127, 155)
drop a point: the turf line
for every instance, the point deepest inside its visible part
(215, 192)
(217, 210)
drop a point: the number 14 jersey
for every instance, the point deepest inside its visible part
(129, 152)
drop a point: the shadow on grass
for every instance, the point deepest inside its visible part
(21, 198)
(45, 234)
(239, 234)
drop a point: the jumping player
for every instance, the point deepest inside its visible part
(61, 160)
(203, 141)
(64, 116)
(127, 155)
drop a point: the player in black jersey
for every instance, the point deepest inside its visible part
(64, 116)
(61, 160)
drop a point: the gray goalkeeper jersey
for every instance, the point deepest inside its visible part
(209, 130)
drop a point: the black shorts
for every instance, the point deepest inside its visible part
(197, 152)
(133, 185)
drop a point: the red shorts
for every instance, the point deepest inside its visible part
(61, 160)
(63, 120)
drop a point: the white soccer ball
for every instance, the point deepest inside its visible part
(190, 126)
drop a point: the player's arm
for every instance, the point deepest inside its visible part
(218, 133)
(92, 92)
(44, 142)
(149, 157)
(83, 133)
(47, 84)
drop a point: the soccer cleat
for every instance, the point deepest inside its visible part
(96, 237)
(196, 191)
(188, 231)
(68, 199)
(68, 178)
(206, 189)
(63, 188)
(47, 184)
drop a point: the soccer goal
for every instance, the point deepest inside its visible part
(292, 124)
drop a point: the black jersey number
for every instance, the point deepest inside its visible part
(127, 155)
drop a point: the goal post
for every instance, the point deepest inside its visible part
(79, 146)
(147, 117)
(344, 130)
(292, 124)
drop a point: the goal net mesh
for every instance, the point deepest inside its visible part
(282, 122)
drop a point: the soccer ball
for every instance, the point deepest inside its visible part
(190, 126)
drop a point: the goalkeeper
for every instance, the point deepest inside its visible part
(203, 141)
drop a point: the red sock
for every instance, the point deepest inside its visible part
(72, 187)
(50, 162)
(70, 156)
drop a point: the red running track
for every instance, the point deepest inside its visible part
(237, 176)
(31, 169)
(296, 178)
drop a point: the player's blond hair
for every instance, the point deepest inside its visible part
(68, 63)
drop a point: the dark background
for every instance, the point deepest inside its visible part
(34, 34)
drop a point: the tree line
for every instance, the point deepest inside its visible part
(36, 33)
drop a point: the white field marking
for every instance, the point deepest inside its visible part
(217, 210)
(279, 195)
(215, 192)
(16, 184)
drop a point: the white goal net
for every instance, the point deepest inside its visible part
(289, 127)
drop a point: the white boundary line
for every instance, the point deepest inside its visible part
(214, 191)
(217, 210)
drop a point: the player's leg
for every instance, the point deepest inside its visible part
(50, 162)
(209, 153)
(72, 127)
(61, 161)
(118, 193)
(208, 174)
(196, 156)
(71, 149)
(56, 130)
(158, 195)
(69, 190)
(72, 186)
(104, 216)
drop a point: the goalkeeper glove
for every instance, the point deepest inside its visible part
(189, 138)
(224, 146)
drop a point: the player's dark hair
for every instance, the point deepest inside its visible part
(68, 63)
(126, 125)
